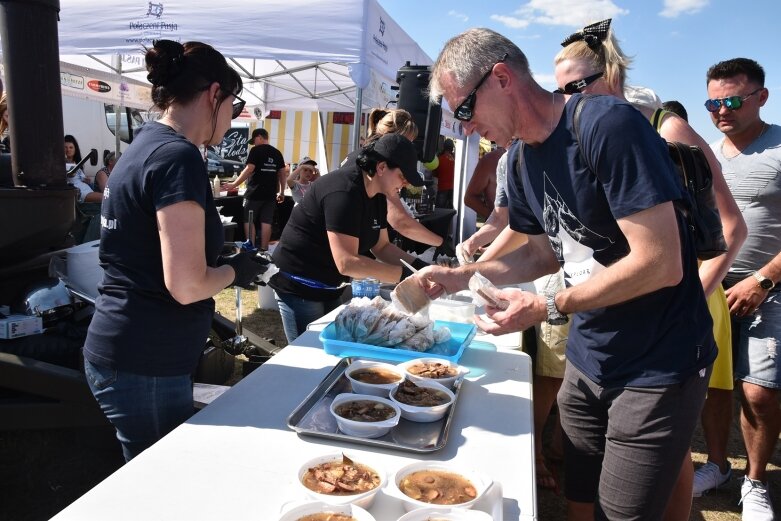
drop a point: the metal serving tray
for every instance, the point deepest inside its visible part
(313, 418)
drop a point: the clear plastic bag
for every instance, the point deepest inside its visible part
(484, 292)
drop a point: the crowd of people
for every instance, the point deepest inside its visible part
(636, 339)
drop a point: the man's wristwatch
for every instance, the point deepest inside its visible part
(555, 317)
(763, 282)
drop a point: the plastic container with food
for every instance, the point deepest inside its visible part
(375, 378)
(429, 483)
(310, 510)
(422, 401)
(364, 415)
(452, 310)
(443, 372)
(341, 477)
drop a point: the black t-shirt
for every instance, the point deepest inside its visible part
(656, 339)
(336, 202)
(263, 184)
(138, 326)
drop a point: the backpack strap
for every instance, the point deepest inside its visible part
(576, 124)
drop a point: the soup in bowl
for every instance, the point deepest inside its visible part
(337, 478)
(425, 484)
(376, 378)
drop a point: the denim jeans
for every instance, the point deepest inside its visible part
(297, 313)
(757, 341)
(141, 408)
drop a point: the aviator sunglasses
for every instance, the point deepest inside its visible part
(731, 102)
(466, 110)
(574, 87)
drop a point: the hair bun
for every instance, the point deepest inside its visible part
(164, 61)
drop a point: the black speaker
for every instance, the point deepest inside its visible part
(413, 97)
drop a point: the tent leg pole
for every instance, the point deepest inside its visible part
(356, 141)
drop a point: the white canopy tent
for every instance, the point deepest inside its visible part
(335, 55)
(292, 54)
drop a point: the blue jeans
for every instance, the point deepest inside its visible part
(141, 408)
(297, 313)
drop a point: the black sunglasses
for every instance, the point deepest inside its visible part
(238, 106)
(576, 86)
(731, 102)
(466, 110)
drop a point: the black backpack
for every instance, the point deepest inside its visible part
(701, 212)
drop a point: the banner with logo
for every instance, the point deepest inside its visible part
(108, 88)
(235, 144)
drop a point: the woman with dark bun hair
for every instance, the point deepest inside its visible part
(160, 245)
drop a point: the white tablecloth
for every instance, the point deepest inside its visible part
(237, 459)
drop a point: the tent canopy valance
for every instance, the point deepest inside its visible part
(292, 54)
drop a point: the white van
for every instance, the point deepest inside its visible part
(92, 123)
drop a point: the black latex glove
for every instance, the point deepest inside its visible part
(246, 267)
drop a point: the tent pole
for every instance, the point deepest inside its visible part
(356, 141)
(118, 109)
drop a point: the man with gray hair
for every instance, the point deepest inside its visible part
(601, 207)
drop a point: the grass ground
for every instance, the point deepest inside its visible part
(41, 472)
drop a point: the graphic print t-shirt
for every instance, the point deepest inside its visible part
(263, 184)
(655, 339)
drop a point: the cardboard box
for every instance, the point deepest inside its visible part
(15, 326)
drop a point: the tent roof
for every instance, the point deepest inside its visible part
(292, 54)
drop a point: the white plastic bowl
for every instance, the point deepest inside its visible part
(315, 507)
(363, 499)
(373, 389)
(364, 429)
(425, 414)
(447, 382)
(445, 514)
(480, 482)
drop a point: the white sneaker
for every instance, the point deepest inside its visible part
(708, 477)
(756, 501)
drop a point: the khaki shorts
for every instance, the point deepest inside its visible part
(551, 340)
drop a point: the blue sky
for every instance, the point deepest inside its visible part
(673, 42)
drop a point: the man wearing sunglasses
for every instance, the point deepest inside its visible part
(750, 158)
(266, 174)
(640, 337)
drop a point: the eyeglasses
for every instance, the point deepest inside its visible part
(576, 86)
(731, 102)
(238, 106)
(466, 110)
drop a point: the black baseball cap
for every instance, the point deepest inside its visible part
(308, 161)
(401, 151)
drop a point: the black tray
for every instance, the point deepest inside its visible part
(313, 418)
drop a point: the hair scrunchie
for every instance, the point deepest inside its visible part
(593, 34)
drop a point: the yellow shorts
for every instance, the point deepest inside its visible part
(721, 378)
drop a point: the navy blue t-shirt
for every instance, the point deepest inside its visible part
(336, 202)
(263, 184)
(138, 326)
(656, 339)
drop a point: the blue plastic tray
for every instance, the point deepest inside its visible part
(461, 336)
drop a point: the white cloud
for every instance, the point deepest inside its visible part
(673, 8)
(460, 16)
(572, 13)
(510, 21)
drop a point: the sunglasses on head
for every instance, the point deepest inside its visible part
(576, 86)
(465, 111)
(731, 102)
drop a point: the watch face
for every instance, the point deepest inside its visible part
(766, 284)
